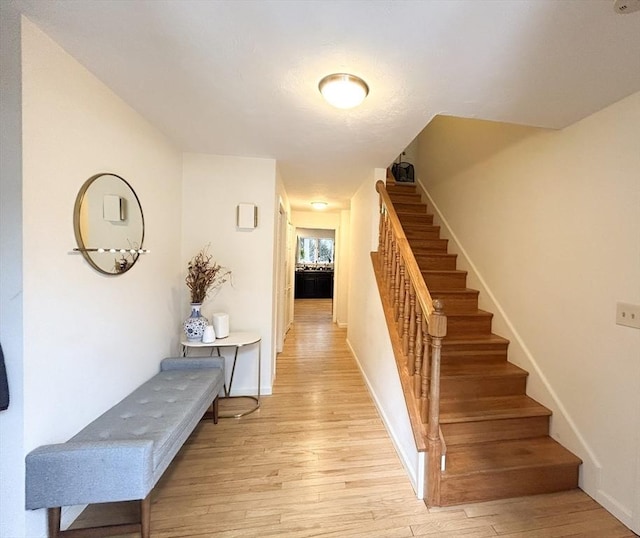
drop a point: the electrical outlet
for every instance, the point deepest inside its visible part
(628, 315)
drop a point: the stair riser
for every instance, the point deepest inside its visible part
(502, 485)
(415, 217)
(427, 246)
(462, 433)
(418, 226)
(461, 347)
(434, 262)
(401, 189)
(433, 233)
(457, 302)
(411, 198)
(445, 281)
(484, 353)
(484, 356)
(418, 209)
(482, 388)
(460, 325)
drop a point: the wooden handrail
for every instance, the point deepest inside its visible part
(421, 325)
(422, 292)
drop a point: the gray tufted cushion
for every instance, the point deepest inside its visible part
(123, 453)
(156, 411)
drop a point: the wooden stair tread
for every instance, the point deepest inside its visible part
(437, 254)
(470, 314)
(396, 193)
(421, 246)
(443, 272)
(418, 226)
(418, 243)
(507, 455)
(415, 232)
(455, 290)
(476, 340)
(469, 323)
(403, 212)
(410, 206)
(401, 186)
(470, 368)
(480, 409)
(484, 348)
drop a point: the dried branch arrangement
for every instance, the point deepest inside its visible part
(204, 275)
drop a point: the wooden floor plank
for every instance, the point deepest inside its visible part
(316, 461)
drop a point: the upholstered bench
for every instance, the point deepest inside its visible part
(122, 454)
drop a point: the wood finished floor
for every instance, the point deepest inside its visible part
(316, 461)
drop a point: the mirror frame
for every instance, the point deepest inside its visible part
(87, 251)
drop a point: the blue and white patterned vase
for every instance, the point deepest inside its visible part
(194, 325)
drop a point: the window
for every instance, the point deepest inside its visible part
(315, 250)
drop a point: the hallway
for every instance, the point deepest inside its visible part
(316, 460)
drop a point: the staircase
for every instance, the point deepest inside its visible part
(497, 442)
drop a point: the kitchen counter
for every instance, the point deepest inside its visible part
(314, 284)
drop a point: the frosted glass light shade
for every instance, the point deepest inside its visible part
(343, 90)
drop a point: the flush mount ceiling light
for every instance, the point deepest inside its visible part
(319, 205)
(343, 90)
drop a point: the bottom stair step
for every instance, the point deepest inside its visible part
(487, 471)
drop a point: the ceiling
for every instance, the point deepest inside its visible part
(240, 77)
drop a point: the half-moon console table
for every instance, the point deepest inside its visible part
(235, 340)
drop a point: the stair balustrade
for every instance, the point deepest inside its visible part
(421, 325)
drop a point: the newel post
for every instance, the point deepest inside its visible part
(437, 331)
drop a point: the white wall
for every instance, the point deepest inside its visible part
(344, 265)
(11, 260)
(89, 339)
(213, 186)
(550, 223)
(367, 332)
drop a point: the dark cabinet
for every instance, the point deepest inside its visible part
(314, 285)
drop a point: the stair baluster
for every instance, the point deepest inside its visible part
(424, 375)
(400, 301)
(417, 378)
(394, 269)
(411, 337)
(407, 314)
(396, 285)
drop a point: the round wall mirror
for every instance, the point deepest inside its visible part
(108, 224)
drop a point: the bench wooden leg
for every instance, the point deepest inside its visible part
(53, 518)
(143, 526)
(145, 517)
(215, 410)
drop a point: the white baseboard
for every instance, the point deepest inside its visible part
(417, 482)
(613, 506)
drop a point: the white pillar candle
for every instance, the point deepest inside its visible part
(209, 335)
(221, 324)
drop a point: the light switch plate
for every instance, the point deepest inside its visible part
(628, 315)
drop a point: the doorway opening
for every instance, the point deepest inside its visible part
(314, 268)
